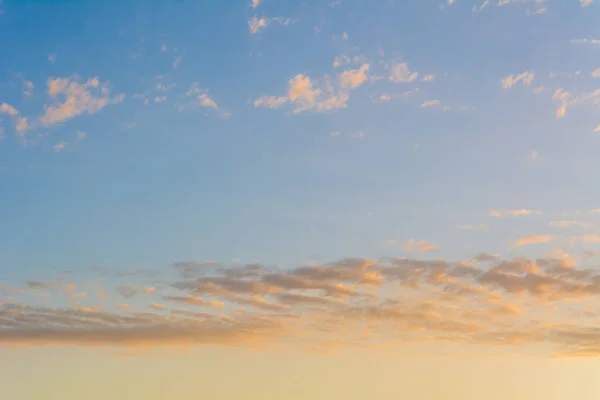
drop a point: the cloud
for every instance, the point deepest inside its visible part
(568, 224)
(419, 246)
(401, 74)
(535, 239)
(526, 78)
(476, 9)
(7, 109)
(404, 95)
(487, 300)
(513, 212)
(60, 146)
(127, 291)
(353, 78)
(256, 24)
(256, 3)
(22, 124)
(201, 98)
(52, 58)
(28, 88)
(568, 99)
(304, 94)
(430, 103)
(596, 73)
(588, 238)
(597, 128)
(428, 78)
(73, 97)
(585, 3)
(341, 60)
(586, 41)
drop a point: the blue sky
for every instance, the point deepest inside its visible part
(158, 184)
(138, 135)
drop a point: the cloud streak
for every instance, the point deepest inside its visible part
(484, 301)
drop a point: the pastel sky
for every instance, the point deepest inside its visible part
(314, 199)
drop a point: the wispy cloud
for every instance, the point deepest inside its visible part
(60, 146)
(7, 109)
(72, 97)
(535, 239)
(489, 302)
(568, 224)
(28, 88)
(353, 78)
(400, 73)
(586, 41)
(513, 212)
(525, 77)
(419, 246)
(256, 24)
(201, 98)
(303, 94)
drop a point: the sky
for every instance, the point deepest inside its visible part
(263, 199)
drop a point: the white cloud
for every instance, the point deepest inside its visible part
(419, 246)
(304, 94)
(256, 24)
(52, 58)
(6, 108)
(428, 78)
(568, 100)
(256, 3)
(585, 3)
(28, 88)
(480, 8)
(526, 78)
(353, 78)
(22, 124)
(176, 62)
(341, 60)
(270, 101)
(430, 103)
(404, 95)
(77, 98)
(586, 41)
(537, 11)
(401, 73)
(535, 239)
(60, 146)
(201, 98)
(568, 224)
(514, 212)
(597, 129)
(596, 73)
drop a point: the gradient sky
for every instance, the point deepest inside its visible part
(289, 200)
